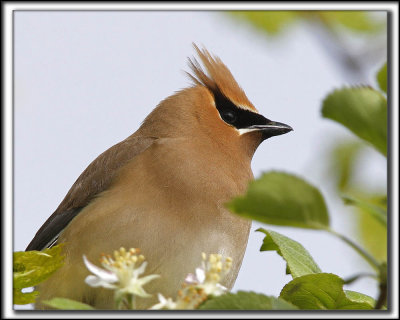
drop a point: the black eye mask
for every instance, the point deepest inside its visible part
(235, 116)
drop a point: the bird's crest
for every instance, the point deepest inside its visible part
(218, 79)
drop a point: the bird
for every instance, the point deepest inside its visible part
(163, 189)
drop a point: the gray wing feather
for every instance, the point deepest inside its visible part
(96, 178)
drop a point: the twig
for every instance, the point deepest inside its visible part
(370, 259)
(382, 296)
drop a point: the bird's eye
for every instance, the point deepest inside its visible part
(229, 117)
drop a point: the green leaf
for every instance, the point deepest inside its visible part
(382, 201)
(299, 261)
(20, 297)
(381, 77)
(246, 301)
(322, 291)
(343, 160)
(360, 298)
(271, 22)
(282, 199)
(32, 267)
(362, 110)
(67, 304)
(373, 233)
(372, 209)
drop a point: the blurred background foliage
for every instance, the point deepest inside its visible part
(354, 39)
(274, 22)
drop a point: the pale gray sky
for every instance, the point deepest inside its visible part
(85, 80)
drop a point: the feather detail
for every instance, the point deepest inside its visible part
(217, 78)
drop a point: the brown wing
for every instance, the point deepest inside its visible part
(95, 179)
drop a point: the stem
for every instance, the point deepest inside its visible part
(132, 302)
(383, 288)
(380, 268)
(119, 301)
(358, 276)
(382, 296)
(371, 260)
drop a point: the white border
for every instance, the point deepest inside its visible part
(8, 162)
(394, 95)
(222, 5)
(8, 144)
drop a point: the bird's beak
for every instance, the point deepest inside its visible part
(271, 128)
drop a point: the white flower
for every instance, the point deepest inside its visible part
(102, 278)
(164, 303)
(188, 298)
(120, 273)
(197, 287)
(210, 274)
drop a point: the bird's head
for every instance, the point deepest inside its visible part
(215, 106)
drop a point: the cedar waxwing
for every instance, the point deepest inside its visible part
(163, 190)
